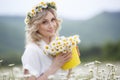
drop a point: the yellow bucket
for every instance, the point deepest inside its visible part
(73, 62)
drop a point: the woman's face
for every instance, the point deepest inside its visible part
(48, 26)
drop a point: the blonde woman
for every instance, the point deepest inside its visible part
(42, 26)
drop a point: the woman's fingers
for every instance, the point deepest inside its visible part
(62, 58)
(68, 57)
(61, 54)
(66, 54)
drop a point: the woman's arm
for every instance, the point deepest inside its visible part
(58, 61)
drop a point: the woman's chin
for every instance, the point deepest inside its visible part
(52, 34)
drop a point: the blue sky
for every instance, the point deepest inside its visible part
(71, 9)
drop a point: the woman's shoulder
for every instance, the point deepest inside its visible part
(32, 46)
(31, 51)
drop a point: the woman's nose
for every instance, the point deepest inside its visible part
(51, 25)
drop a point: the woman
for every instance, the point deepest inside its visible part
(41, 27)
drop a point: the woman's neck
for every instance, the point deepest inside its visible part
(47, 39)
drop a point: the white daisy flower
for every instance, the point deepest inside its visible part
(53, 44)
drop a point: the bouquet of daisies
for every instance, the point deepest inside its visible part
(62, 45)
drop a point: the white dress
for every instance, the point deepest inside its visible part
(35, 60)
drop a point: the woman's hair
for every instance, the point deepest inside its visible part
(32, 34)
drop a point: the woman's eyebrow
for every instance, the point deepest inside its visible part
(53, 18)
(45, 19)
(48, 19)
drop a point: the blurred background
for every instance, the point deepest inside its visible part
(96, 21)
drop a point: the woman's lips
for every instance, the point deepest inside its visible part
(51, 31)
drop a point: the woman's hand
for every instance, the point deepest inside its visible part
(59, 60)
(62, 58)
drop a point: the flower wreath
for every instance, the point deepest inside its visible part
(38, 8)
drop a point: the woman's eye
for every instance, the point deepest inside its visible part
(44, 22)
(53, 19)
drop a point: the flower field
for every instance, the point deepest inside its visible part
(89, 71)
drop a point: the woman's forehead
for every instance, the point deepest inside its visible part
(49, 16)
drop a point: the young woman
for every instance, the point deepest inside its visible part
(42, 27)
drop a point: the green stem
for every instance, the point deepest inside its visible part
(69, 73)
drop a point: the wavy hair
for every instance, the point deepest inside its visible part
(32, 34)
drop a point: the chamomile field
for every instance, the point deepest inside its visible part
(94, 70)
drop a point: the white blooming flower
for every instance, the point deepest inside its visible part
(1, 60)
(53, 44)
(70, 38)
(57, 38)
(27, 75)
(53, 50)
(73, 43)
(51, 77)
(44, 5)
(52, 3)
(97, 62)
(62, 38)
(76, 39)
(47, 47)
(109, 65)
(61, 48)
(61, 44)
(10, 65)
(68, 43)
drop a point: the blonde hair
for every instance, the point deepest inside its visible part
(32, 34)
